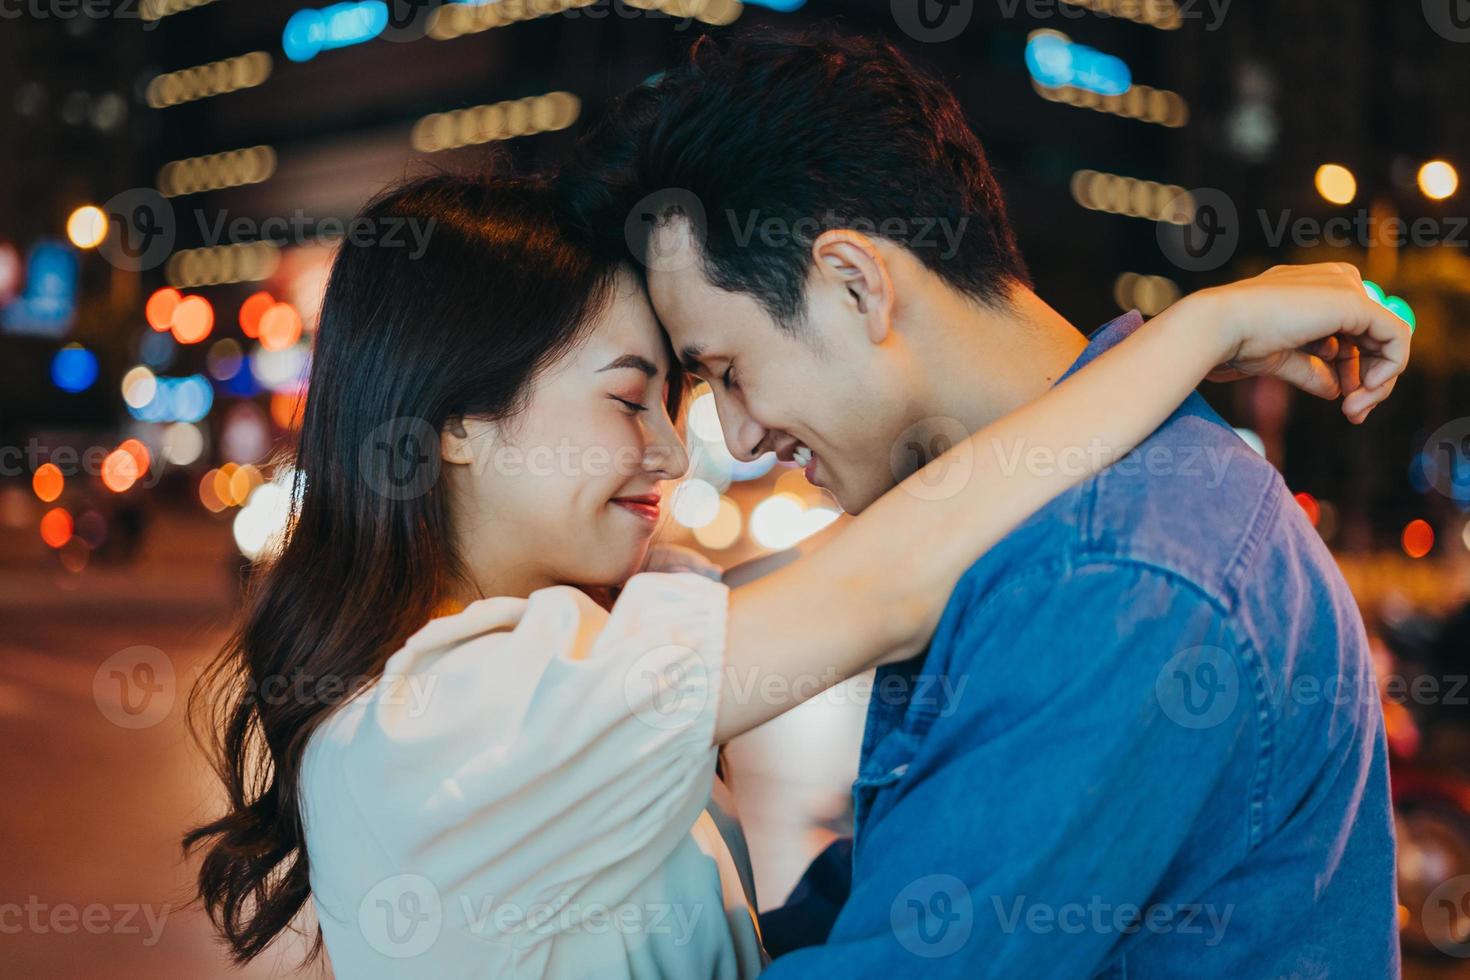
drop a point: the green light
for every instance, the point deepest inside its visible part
(1400, 308)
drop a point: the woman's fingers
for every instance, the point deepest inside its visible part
(1388, 339)
(1308, 372)
(1360, 403)
(1349, 365)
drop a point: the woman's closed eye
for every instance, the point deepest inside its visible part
(632, 407)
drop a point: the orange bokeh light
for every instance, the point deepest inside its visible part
(1311, 507)
(207, 495)
(280, 327)
(1418, 539)
(252, 310)
(193, 320)
(56, 527)
(48, 482)
(221, 483)
(120, 471)
(139, 452)
(287, 408)
(161, 307)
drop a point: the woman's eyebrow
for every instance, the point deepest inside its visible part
(634, 361)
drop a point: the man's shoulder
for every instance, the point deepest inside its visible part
(1193, 502)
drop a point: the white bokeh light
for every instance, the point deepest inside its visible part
(183, 443)
(696, 503)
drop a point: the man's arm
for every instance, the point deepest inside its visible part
(1084, 732)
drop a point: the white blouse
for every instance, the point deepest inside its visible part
(526, 792)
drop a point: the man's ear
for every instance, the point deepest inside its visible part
(850, 260)
(460, 440)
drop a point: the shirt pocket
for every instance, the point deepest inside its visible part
(882, 771)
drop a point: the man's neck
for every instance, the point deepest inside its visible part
(983, 362)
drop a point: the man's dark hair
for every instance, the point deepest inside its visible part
(809, 133)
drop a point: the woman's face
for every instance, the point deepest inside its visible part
(571, 489)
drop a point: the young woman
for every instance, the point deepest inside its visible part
(456, 718)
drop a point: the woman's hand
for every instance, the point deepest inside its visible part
(1314, 326)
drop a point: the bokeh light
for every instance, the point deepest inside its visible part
(139, 386)
(87, 226)
(252, 310)
(1336, 183)
(704, 420)
(696, 503)
(287, 408)
(183, 443)
(279, 369)
(160, 308)
(1418, 539)
(280, 327)
(207, 495)
(193, 320)
(243, 481)
(74, 368)
(1310, 508)
(724, 530)
(225, 358)
(778, 522)
(48, 482)
(1438, 180)
(56, 527)
(120, 471)
(139, 452)
(247, 434)
(261, 524)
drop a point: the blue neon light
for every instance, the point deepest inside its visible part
(1055, 61)
(48, 305)
(310, 32)
(74, 368)
(186, 399)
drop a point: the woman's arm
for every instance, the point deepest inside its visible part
(842, 609)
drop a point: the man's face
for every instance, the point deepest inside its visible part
(828, 387)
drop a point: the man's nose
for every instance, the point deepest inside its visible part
(744, 436)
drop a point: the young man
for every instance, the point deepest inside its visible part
(1144, 740)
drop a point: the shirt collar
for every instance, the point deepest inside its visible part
(1109, 335)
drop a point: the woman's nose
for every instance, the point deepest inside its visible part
(666, 456)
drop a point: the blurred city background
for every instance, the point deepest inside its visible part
(174, 175)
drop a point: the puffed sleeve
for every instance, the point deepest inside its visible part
(558, 753)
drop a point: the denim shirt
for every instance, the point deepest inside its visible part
(1145, 741)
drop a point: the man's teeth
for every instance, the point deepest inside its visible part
(802, 456)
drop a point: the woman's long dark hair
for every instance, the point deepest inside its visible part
(412, 334)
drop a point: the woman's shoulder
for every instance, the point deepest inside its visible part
(472, 678)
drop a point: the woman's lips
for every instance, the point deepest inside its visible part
(645, 507)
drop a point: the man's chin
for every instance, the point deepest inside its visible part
(855, 501)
